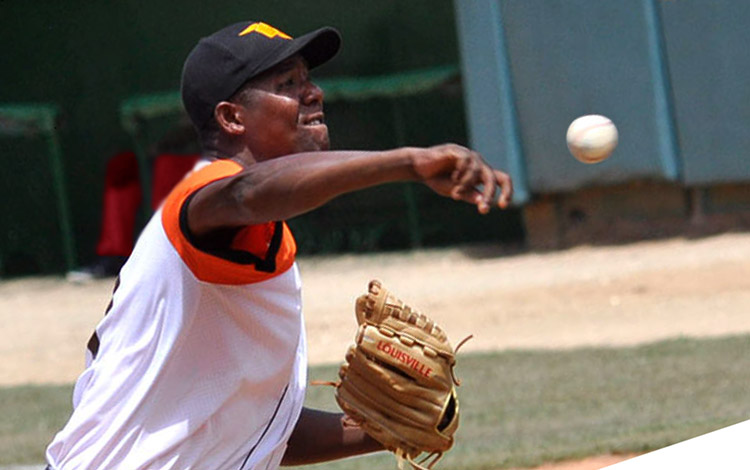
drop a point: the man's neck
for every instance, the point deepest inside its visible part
(244, 156)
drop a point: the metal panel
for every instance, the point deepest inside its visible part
(707, 50)
(531, 67)
(574, 57)
(491, 113)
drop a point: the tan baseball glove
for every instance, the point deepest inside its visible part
(397, 382)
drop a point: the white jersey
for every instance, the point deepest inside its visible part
(200, 361)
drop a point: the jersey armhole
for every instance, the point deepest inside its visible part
(266, 264)
(233, 264)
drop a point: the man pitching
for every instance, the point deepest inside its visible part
(200, 361)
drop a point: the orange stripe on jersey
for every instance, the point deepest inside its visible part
(257, 252)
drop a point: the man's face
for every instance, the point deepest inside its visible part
(283, 111)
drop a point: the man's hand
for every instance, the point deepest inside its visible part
(462, 174)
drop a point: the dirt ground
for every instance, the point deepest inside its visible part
(593, 296)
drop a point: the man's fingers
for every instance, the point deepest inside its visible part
(473, 197)
(506, 189)
(461, 165)
(489, 187)
(488, 180)
(478, 188)
(470, 178)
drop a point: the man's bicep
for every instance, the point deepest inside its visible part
(216, 206)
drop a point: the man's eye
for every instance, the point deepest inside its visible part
(289, 82)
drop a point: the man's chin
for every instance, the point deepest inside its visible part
(317, 141)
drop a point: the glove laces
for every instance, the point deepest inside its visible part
(402, 456)
(455, 379)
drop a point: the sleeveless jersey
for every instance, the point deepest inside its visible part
(200, 361)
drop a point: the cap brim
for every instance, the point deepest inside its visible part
(318, 47)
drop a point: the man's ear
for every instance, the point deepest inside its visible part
(229, 117)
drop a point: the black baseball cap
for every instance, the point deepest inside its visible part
(221, 63)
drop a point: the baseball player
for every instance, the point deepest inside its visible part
(200, 361)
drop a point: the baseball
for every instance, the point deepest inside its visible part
(592, 138)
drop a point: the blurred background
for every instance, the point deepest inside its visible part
(83, 81)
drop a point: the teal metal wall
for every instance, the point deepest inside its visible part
(708, 47)
(671, 75)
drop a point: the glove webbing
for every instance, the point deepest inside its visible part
(401, 311)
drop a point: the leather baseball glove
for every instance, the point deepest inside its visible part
(397, 383)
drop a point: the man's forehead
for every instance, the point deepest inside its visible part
(286, 65)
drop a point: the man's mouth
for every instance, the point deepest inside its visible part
(313, 120)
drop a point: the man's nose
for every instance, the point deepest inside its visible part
(312, 94)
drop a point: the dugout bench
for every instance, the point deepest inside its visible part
(33, 120)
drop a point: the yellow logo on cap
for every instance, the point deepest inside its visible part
(265, 29)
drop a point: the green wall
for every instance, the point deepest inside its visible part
(88, 56)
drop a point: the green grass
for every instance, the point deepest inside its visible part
(518, 408)
(29, 417)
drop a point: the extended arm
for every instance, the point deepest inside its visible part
(282, 188)
(320, 436)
